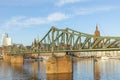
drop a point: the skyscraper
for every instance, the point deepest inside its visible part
(6, 41)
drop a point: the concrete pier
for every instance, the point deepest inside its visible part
(16, 59)
(59, 64)
(13, 59)
(6, 58)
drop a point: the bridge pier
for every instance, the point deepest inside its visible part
(56, 64)
(13, 59)
(6, 57)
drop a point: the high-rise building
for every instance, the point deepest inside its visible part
(6, 41)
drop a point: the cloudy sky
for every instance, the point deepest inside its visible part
(23, 20)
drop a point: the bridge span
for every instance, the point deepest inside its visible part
(67, 40)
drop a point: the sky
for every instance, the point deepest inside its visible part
(24, 20)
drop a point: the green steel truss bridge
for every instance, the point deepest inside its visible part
(68, 40)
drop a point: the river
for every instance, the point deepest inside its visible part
(83, 69)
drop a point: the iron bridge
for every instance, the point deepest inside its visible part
(68, 40)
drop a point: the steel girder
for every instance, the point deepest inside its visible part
(60, 40)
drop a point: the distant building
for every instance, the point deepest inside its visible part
(96, 40)
(6, 41)
(97, 32)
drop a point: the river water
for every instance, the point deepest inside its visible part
(83, 69)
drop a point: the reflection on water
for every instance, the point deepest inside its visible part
(96, 70)
(102, 69)
(83, 69)
(110, 70)
(27, 71)
(17, 67)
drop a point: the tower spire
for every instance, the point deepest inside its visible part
(97, 32)
(96, 27)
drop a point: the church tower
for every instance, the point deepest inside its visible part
(97, 32)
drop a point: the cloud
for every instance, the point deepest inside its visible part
(57, 17)
(63, 2)
(93, 10)
(22, 21)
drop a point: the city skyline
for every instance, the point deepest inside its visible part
(25, 19)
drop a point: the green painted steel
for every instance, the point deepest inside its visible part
(68, 40)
